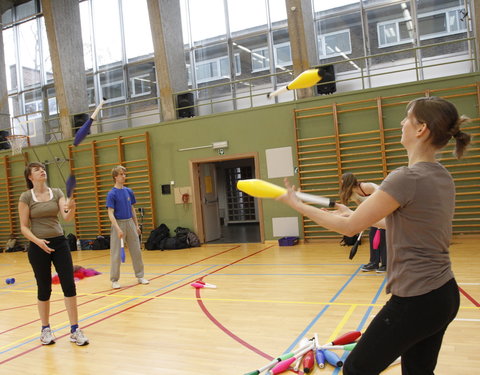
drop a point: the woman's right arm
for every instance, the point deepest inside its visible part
(24, 213)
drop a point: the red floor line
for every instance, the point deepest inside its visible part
(116, 291)
(29, 305)
(469, 297)
(130, 307)
(226, 330)
(220, 325)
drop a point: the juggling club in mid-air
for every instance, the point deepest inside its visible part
(306, 79)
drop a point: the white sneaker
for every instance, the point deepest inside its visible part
(79, 338)
(116, 285)
(143, 281)
(47, 337)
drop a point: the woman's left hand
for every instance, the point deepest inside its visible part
(342, 210)
(69, 205)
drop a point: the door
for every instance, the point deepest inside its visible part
(209, 202)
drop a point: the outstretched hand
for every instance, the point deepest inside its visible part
(290, 198)
(342, 210)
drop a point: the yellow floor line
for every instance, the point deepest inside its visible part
(340, 325)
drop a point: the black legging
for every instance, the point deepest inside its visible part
(410, 327)
(42, 267)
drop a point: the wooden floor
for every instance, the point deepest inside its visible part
(267, 298)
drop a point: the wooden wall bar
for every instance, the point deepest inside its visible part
(363, 137)
(92, 164)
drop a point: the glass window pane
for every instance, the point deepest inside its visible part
(33, 103)
(29, 51)
(47, 61)
(52, 102)
(319, 5)
(247, 15)
(138, 36)
(106, 24)
(86, 23)
(25, 10)
(142, 80)
(340, 41)
(278, 11)
(337, 43)
(142, 85)
(260, 59)
(91, 91)
(113, 87)
(10, 59)
(7, 17)
(389, 31)
(207, 20)
(282, 55)
(432, 24)
(453, 24)
(224, 67)
(405, 31)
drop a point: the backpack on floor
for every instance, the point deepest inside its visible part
(193, 240)
(101, 243)
(154, 241)
(186, 238)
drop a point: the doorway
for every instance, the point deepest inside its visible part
(222, 213)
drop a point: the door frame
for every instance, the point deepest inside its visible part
(196, 201)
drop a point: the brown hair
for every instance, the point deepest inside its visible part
(349, 181)
(28, 172)
(116, 170)
(443, 121)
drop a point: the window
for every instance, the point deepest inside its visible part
(431, 25)
(283, 54)
(140, 85)
(219, 68)
(394, 32)
(260, 59)
(436, 24)
(334, 44)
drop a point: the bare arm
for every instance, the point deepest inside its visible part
(371, 212)
(368, 187)
(24, 214)
(111, 216)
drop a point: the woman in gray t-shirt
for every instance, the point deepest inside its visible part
(38, 210)
(415, 204)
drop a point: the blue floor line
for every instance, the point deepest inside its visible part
(309, 326)
(104, 311)
(364, 320)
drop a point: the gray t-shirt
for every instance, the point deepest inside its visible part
(420, 230)
(44, 221)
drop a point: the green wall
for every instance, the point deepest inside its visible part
(249, 130)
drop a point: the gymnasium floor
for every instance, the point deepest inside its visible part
(267, 298)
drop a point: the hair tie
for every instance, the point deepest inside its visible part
(456, 134)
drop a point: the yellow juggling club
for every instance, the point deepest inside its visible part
(306, 79)
(263, 189)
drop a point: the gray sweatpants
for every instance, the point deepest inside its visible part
(130, 237)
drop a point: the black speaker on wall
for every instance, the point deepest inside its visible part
(185, 102)
(327, 84)
(78, 121)
(4, 145)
